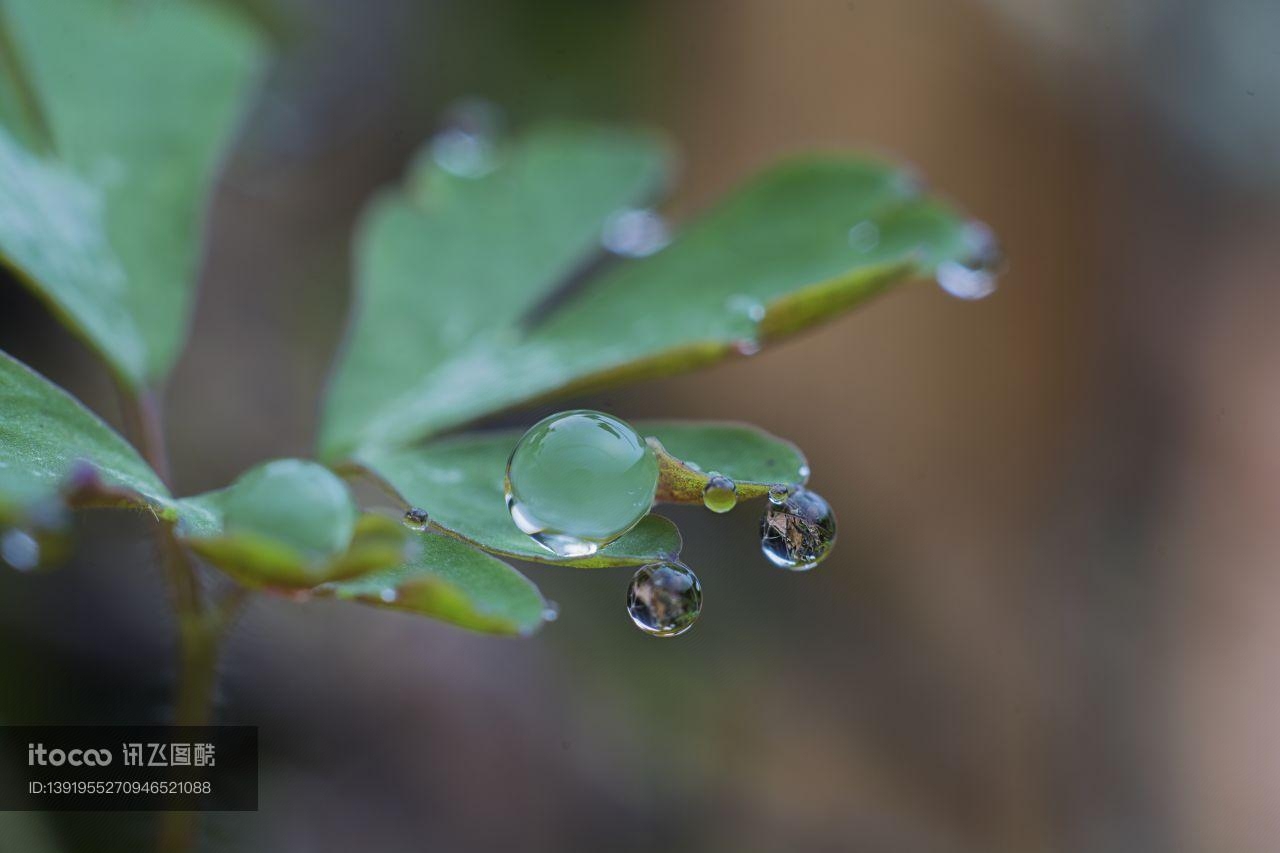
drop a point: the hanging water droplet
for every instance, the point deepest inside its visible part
(664, 599)
(747, 346)
(865, 236)
(550, 612)
(20, 549)
(780, 492)
(388, 595)
(974, 277)
(720, 494)
(799, 532)
(634, 233)
(466, 146)
(578, 480)
(416, 519)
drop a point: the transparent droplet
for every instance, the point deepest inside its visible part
(664, 599)
(466, 147)
(747, 306)
(747, 346)
(550, 612)
(799, 532)
(416, 518)
(388, 595)
(634, 233)
(780, 492)
(578, 480)
(20, 549)
(720, 494)
(974, 277)
(865, 236)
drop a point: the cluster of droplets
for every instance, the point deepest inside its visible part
(578, 480)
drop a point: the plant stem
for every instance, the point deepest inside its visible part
(201, 625)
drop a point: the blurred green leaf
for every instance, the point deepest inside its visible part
(449, 265)
(690, 450)
(289, 523)
(113, 116)
(452, 582)
(780, 254)
(53, 449)
(458, 481)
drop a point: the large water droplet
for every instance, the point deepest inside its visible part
(416, 518)
(466, 147)
(664, 599)
(974, 277)
(798, 532)
(20, 549)
(578, 480)
(865, 236)
(634, 233)
(720, 494)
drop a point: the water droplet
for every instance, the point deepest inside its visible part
(388, 595)
(799, 532)
(747, 346)
(416, 518)
(747, 306)
(664, 599)
(720, 494)
(578, 480)
(466, 146)
(779, 493)
(550, 612)
(635, 233)
(20, 549)
(804, 472)
(865, 236)
(974, 277)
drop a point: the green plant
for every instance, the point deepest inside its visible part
(460, 311)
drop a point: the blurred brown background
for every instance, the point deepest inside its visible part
(1049, 624)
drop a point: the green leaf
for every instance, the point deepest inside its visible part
(775, 257)
(453, 582)
(113, 116)
(447, 265)
(289, 524)
(458, 481)
(53, 449)
(690, 450)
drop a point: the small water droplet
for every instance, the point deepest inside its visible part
(780, 492)
(466, 147)
(416, 519)
(551, 612)
(746, 346)
(388, 595)
(664, 599)
(747, 306)
(865, 236)
(578, 480)
(634, 233)
(720, 494)
(799, 532)
(20, 549)
(974, 277)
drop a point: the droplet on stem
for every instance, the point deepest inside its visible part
(720, 494)
(664, 599)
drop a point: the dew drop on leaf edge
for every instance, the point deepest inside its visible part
(720, 494)
(798, 532)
